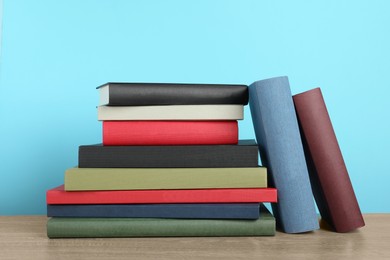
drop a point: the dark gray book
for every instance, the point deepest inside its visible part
(245, 154)
(146, 94)
(281, 151)
(193, 211)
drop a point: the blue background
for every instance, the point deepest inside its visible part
(54, 54)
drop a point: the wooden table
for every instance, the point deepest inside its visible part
(24, 237)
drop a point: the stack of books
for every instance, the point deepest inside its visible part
(171, 164)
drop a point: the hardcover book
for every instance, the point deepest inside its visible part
(169, 132)
(244, 154)
(146, 94)
(281, 151)
(157, 227)
(192, 211)
(331, 185)
(173, 112)
(251, 195)
(164, 178)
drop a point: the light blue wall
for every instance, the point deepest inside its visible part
(54, 54)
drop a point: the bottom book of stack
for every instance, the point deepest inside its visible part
(78, 227)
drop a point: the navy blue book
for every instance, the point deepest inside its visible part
(187, 211)
(281, 151)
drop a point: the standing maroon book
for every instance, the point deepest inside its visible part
(329, 178)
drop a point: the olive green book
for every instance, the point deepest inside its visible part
(164, 178)
(149, 227)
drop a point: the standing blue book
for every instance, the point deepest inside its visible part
(281, 151)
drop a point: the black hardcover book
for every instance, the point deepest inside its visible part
(244, 154)
(146, 94)
(193, 211)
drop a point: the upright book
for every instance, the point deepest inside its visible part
(244, 154)
(248, 195)
(169, 132)
(281, 151)
(147, 94)
(154, 227)
(331, 185)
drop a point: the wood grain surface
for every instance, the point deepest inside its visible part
(24, 237)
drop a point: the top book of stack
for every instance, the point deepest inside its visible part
(150, 94)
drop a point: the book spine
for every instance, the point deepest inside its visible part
(187, 156)
(281, 151)
(174, 112)
(170, 132)
(181, 211)
(331, 185)
(158, 227)
(60, 196)
(164, 178)
(136, 94)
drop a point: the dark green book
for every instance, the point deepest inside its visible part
(149, 227)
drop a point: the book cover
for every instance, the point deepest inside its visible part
(281, 151)
(147, 94)
(172, 112)
(331, 185)
(155, 227)
(191, 211)
(251, 195)
(164, 178)
(169, 132)
(244, 154)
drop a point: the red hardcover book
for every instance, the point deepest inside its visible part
(331, 185)
(169, 132)
(59, 196)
